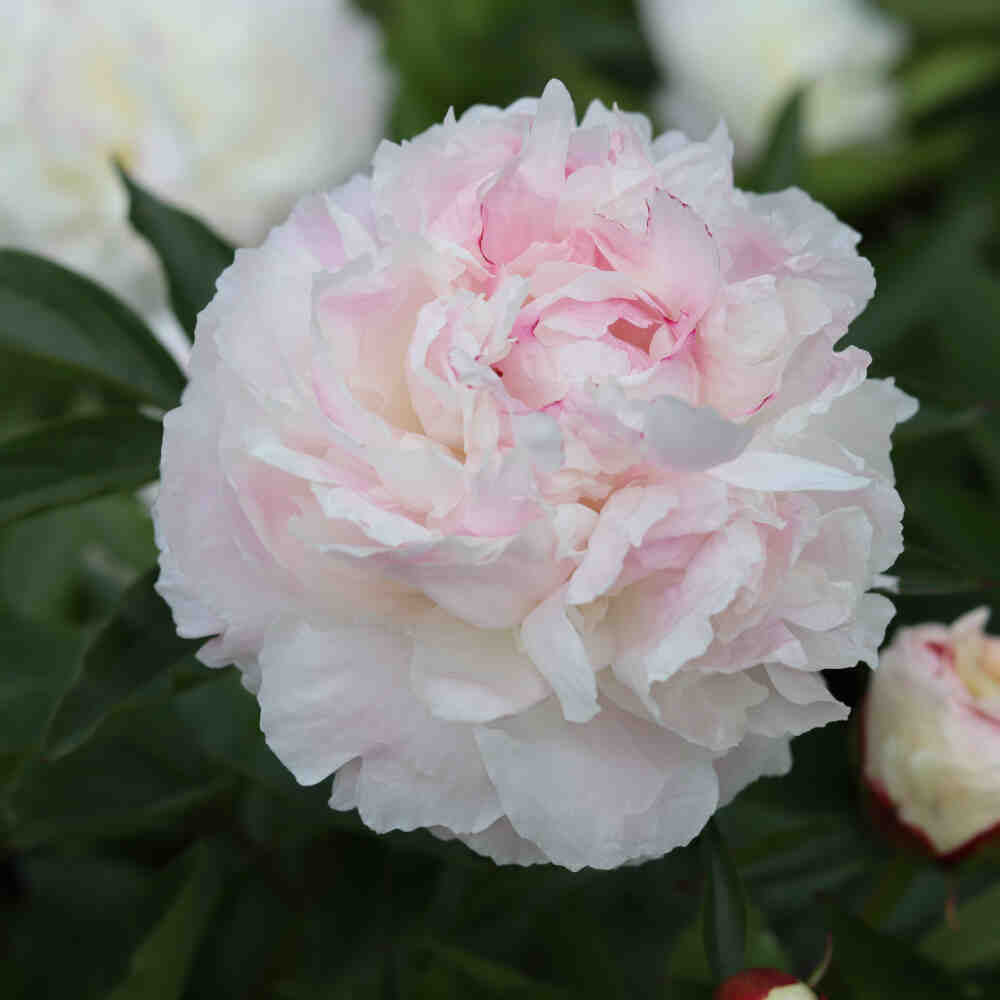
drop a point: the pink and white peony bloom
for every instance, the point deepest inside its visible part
(234, 109)
(522, 482)
(741, 61)
(931, 737)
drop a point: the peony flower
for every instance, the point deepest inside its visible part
(233, 109)
(523, 484)
(742, 61)
(931, 735)
(764, 984)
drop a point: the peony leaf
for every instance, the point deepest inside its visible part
(985, 438)
(917, 272)
(947, 75)
(688, 962)
(857, 178)
(725, 907)
(961, 524)
(138, 773)
(932, 420)
(75, 460)
(69, 566)
(680, 989)
(968, 341)
(958, 15)
(51, 315)
(875, 966)
(193, 256)
(160, 965)
(96, 907)
(920, 572)
(780, 165)
(448, 972)
(133, 649)
(970, 939)
(38, 662)
(224, 721)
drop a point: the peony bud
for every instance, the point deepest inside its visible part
(931, 736)
(764, 984)
(742, 61)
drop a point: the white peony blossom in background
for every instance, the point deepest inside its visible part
(522, 482)
(741, 61)
(233, 109)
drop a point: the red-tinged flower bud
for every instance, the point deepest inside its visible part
(930, 738)
(764, 984)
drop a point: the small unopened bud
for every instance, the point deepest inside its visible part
(764, 984)
(931, 738)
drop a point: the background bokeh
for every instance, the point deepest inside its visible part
(158, 849)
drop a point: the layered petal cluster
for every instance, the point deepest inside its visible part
(521, 480)
(932, 734)
(234, 109)
(742, 61)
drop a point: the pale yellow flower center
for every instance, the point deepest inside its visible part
(977, 663)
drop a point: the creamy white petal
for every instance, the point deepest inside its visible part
(598, 794)
(555, 647)
(328, 696)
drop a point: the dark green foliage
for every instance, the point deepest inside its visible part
(725, 915)
(52, 316)
(782, 163)
(75, 460)
(192, 255)
(133, 649)
(152, 846)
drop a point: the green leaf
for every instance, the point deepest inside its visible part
(138, 773)
(956, 15)
(919, 268)
(921, 572)
(679, 989)
(688, 961)
(780, 165)
(135, 647)
(932, 420)
(69, 566)
(969, 342)
(445, 972)
(949, 74)
(251, 936)
(51, 315)
(875, 966)
(193, 256)
(96, 907)
(224, 721)
(160, 965)
(857, 178)
(75, 460)
(36, 665)
(894, 880)
(985, 438)
(971, 939)
(725, 907)
(961, 523)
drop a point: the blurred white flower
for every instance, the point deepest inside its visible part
(233, 109)
(741, 61)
